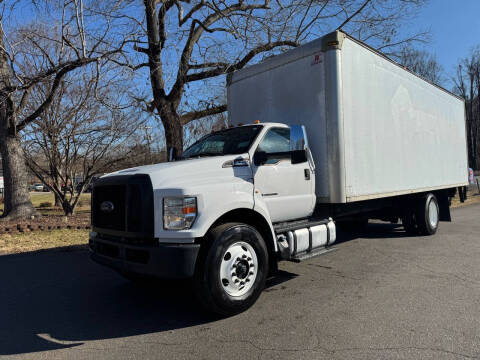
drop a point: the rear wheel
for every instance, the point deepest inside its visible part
(232, 269)
(422, 216)
(410, 223)
(427, 215)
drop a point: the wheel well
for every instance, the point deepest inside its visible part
(252, 218)
(443, 199)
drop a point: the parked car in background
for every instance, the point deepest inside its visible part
(37, 187)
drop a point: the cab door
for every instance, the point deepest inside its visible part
(287, 188)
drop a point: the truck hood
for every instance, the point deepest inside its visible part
(190, 172)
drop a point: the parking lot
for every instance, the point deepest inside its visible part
(380, 294)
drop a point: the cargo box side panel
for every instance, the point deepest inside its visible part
(401, 133)
(292, 93)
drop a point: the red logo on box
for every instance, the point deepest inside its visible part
(317, 59)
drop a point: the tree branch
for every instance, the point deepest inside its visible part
(225, 68)
(181, 18)
(207, 65)
(194, 35)
(194, 115)
(161, 21)
(56, 83)
(140, 49)
(348, 19)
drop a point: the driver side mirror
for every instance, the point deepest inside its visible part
(298, 144)
(260, 158)
(299, 156)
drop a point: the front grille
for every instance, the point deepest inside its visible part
(134, 208)
(116, 195)
(132, 199)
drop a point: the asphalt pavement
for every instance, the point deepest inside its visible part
(380, 295)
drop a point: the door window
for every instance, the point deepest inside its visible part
(276, 145)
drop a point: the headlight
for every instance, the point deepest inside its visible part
(179, 213)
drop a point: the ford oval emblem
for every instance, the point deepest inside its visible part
(107, 206)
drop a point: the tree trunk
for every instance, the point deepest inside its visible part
(17, 198)
(173, 133)
(68, 209)
(55, 183)
(58, 201)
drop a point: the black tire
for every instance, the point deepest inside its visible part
(424, 217)
(409, 223)
(207, 284)
(416, 219)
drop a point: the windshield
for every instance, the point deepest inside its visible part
(226, 142)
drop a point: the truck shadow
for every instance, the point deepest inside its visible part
(57, 299)
(373, 231)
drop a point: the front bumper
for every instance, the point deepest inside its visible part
(170, 261)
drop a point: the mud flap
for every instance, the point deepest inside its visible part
(444, 207)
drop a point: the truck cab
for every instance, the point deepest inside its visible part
(211, 214)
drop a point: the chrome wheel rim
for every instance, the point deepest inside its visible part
(433, 214)
(238, 269)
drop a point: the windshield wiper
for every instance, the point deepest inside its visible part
(201, 154)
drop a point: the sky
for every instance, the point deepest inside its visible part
(455, 29)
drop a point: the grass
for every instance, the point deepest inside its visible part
(40, 197)
(41, 240)
(471, 199)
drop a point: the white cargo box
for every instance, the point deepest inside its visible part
(375, 129)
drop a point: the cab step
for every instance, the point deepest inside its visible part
(305, 256)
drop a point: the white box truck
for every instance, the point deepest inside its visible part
(336, 134)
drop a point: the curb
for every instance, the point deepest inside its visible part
(20, 228)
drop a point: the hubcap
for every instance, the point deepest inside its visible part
(238, 269)
(433, 214)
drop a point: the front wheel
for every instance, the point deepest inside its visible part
(232, 269)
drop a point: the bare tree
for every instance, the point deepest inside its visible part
(78, 33)
(84, 131)
(191, 41)
(467, 85)
(422, 63)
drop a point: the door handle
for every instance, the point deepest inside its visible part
(307, 174)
